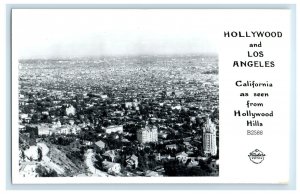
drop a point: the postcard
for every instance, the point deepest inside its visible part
(151, 95)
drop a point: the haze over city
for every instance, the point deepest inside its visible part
(92, 33)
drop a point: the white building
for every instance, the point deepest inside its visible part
(104, 97)
(45, 129)
(70, 110)
(172, 146)
(210, 138)
(147, 134)
(22, 128)
(111, 167)
(114, 128)
(23, 116)
(182, 157)
(49, 129)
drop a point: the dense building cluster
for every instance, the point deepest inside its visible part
(119, 116)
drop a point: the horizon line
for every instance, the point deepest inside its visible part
(117, 55)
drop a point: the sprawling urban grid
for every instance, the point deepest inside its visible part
(124, 116)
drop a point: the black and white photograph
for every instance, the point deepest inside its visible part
(194, 96)
(116, 93)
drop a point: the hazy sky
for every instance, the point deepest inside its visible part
(79, 33)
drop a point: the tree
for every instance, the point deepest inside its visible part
(123, 159)
(23, 155)
(142, 161)
(43, 172)
(204, 166)
(40, 154)
(98, 163)
(188, 162)
(215, 115)
(34, 118)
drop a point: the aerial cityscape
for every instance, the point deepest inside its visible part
(123, 116)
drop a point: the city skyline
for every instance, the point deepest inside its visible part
(152, 116)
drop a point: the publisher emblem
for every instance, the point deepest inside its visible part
(256, 156)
